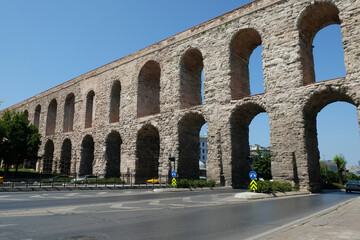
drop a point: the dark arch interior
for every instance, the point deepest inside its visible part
(147, 153)
(69, 112)
(241, 48)
(51, 118)
(311, 109)
(26, 114)
(240, 121)
(87, 156)
(189, 145)
(113, 154)
(89, 109)
(191, 67)
(65, 159)
(148, 101)
(114, 114)
(37, 115)
(48, 157)
(315, 17)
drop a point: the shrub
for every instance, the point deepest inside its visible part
(210, 183)
(183, 183)
(200, 183)
(272, 187)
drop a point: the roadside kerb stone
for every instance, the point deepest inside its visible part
(256, 196)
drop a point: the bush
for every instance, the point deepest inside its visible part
(186, 183)
(102, 181)
(210, 183)
(183, 183)
(272, 187)
(56, 180)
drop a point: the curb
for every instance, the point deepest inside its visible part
(258, 196)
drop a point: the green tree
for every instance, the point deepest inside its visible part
(262, 164)
(340, 162)
(328, 177)
(19, 140)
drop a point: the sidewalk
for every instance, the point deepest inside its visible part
(339, 222)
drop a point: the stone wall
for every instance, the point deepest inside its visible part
(167, 73)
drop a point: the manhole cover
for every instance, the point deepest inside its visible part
(83, 238)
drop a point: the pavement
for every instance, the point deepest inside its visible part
(339, 222)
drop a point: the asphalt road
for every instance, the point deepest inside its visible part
(85, 215)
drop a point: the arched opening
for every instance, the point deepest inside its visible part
(114, 114)
(203, 143)
(313, 19)
(51, 118)
(148, 94)
(65, 158)
(89, 111)
(69, 111)
(240, 151)
(26, 114)
(256, 77)
(147, 153)
(87, 156)
(191, 67)
(241, 47)
(113, 155)
(48, 157)
(37, 115)
(259, 141)
(189, 145)
(329, 64)
(316, 103)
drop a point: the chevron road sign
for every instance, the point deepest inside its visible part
(253, 185)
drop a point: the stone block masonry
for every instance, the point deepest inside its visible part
(132, 114)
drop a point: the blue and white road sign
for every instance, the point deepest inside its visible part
(253, 175)
(173, 173)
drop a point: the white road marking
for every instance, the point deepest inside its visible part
(156, 203)
(121, 206)
(71, 194)
(7, 225)
(37, 196)
(101, 193)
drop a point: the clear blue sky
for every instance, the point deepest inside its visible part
(45, 43)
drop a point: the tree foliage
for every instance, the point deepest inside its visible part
(262, 164)
(19, 140)
(340, 162)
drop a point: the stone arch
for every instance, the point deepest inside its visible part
(37, 115)
(191, 66)
(65, 158)
(312, 19)
(114, 114)
(87, 156)
(310, 111)
(240, 120)
(89, 111)
(51, 118)
(48, 156)
(69, 112)
(241, 47)
(147, 153)
(189, 145)
(148, 94)
(113, 154)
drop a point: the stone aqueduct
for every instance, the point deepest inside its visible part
(132, 114)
